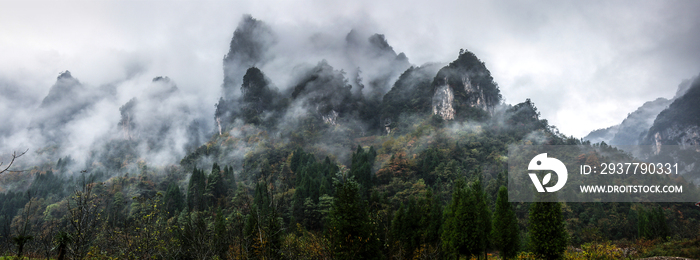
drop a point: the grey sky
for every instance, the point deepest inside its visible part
(585, 64)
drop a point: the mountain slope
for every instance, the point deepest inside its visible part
(636, 123)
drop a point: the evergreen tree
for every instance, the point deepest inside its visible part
(467, 221)
(407, 229)
(548, 235)
(216, 185)
(195, 190)
(351, 232)
(652, 224)
(229, 180)
(173, 199)
(361, 168)
(263, 226)
(505, 233)
(433, 219)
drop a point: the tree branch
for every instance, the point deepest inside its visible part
(14, 156)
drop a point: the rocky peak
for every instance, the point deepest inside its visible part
(463, 87)
(64, 75)
(65, 88)
(249, 47)
(324, 90)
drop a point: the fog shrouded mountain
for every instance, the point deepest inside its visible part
(637, 123)
(354, 86)
(679, 124)
(331, 146)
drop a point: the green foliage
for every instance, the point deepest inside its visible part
(263, 226)
(416, 224)
(351, 231)
(467, 221)
(173, 199)
(652, 224)
(313, 181)
(548, 236)
(361, 169)
(216, 187)
(196, 190)
(505, 233)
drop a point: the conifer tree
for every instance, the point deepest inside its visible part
(433, 219)
(174, 201)
(351, 232)
(263, 226)
(548, 235)
(361, 168)
(216, 185)
(467, 221)
(505, 232)
(195, 190)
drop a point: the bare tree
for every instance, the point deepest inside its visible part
(84, 213)
(14, 156)
(24, 225)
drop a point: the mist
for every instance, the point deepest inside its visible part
(113, 60)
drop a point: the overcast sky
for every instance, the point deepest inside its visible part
(585, 64)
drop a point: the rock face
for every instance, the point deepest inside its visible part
(464, 90)
(678, 125)
(325, 92)
(685, 137)
(442, 102)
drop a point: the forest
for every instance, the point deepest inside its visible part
(435, 190)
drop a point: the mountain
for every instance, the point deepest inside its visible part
(464, 89)
(249, 47)
(679, 124)
(68, 100)
(636, 123)
(602, 135)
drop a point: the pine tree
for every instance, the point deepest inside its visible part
(351, 232)
(195, 190)
(263, 226)
(548, 235)
(505, 233)
(229, 180)
(467, 221)
(216, 186)
(433, 219)
(361, 168)
(398, 230)
(174, 201)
